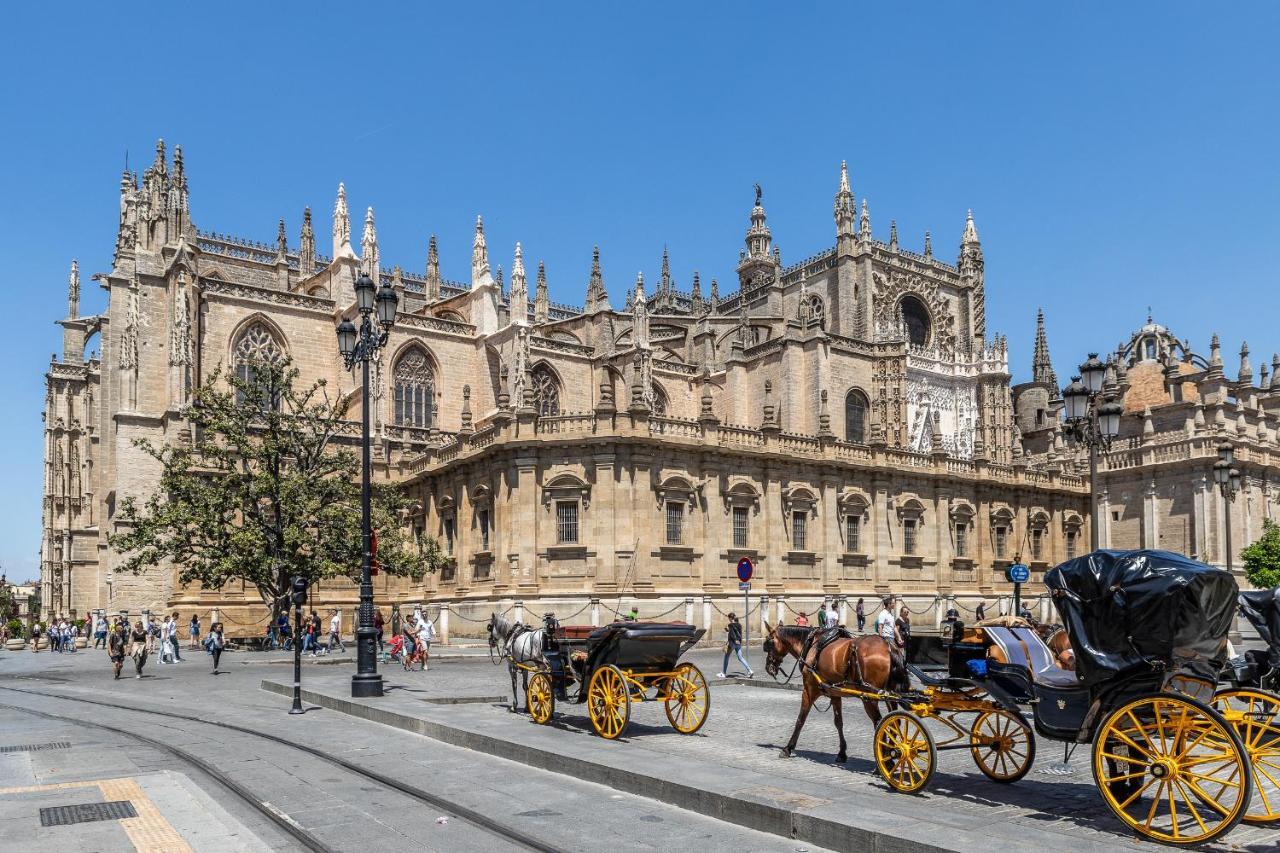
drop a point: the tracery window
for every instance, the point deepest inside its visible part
(659, 402)
(546, 391)
(415, 384)
(257, 348)
(916, 319)
(855, 417)
(812, 311)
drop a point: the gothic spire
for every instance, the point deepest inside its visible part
(970, 230)
(369, 246)
(864, 222)
(1246, 370)
(73, 290)
(970, 249)
(282, 245)
(695, 298)
(597, 297)
(1041, 367)
(519, 290)
(715, 294)
(433, 271)
(307, 246)
(342, 226)
(479, 256)
(541, 301)
(893, 234)
(759, 239)
(928, 245)
(640, 315)
(845, 207)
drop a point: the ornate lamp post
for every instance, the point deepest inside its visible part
(362, 345)
(1228, 479)
(1094, 422)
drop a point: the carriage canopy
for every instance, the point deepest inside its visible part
(1123, 607)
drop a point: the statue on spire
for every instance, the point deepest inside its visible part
(369, 246)
(342, 226)
(73, 290)
(433, 271)
(519, 290)
(541, 300)
(479, 256)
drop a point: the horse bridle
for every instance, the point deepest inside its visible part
(773, 664)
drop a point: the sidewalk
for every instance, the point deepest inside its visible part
(731, 771)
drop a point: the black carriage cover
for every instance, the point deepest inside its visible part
(1121, 607)
(1262, 609)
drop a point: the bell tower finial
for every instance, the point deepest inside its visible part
(342, 226)
(73, 290)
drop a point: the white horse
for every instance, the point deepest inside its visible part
(518, 643)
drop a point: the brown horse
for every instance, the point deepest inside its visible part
(865, 661)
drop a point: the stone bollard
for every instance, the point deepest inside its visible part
(706, 618)
(443, 618)
(595, 613)
(688, 611)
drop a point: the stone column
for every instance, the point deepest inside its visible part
(524, 525)
(764, 612)
(716, 526)
(942, 515)
(782, 610)
(706, 616)
(595, 613)
(844, 610)
(831, 546)
(881, 544)
(1150, 517)
(604, 539)
(443, 619)
(688, 611)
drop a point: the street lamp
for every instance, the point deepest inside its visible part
(1094, 421)
(362, 345)
(1227, 476)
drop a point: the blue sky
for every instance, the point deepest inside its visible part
(1115, 155)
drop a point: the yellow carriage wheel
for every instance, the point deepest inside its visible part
(609, 702)
(904, 752)
(1255, 715)
(1002, 746)
(688, 699)
(1172, 769)
(541, 699)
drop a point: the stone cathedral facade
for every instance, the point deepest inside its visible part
(846, 421)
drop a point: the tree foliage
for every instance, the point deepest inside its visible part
(262, 491)
(1262, 558)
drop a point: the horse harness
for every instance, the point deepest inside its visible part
(816, 643)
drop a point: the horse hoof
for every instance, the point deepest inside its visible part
(841, 758)
(784, 753)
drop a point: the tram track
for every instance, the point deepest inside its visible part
(275, 815)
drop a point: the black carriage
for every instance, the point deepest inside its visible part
(1175, 759)
(613, 666)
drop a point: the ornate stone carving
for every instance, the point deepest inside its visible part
(889, 290)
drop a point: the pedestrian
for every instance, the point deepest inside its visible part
(1025, 613)
(860, 610)
(193, 630)
(309, 633)
(174, 632)
(138, 647)
(903, 627)
(282, 628)
(216, 643)
(633, 614)
(981, 613)
(378, 625)
(166, 644)
(885, 626)
(99, 631)
(733, 645)
(335, 630)
(426, 635)
(833, 616)
(802, 620)
(115, 648)
(36, 630)
(822, 616)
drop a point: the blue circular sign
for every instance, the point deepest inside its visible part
(745, 569)
(1018, 573)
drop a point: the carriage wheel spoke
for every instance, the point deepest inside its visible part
(1138, 793)
(1195, 813)
(1159, 798)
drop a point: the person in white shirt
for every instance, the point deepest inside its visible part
(425, 634)
(335, 631)
(833, 615)
(166, 641)
(885, 625)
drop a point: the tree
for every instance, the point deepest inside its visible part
(263, 490)
(1262, 558)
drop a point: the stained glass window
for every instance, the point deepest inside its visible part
(255, 349)
(415, 382)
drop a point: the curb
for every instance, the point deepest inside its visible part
(746, 799)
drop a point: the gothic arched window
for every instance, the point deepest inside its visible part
(255, 349)
(415, 385)
(916, 318)
(855, 417)
(659, 402)
(811, 310)
(546, 391)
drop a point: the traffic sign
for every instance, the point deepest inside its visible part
(744, 585)
(745, 569)
(1018, 573)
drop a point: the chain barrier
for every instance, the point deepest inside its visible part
(453, 612)
(926, 609)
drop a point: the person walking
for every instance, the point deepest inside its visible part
(860, 611)
(35, 637)
(115, 648)
(138, 648)
(802, 620)
(378, 625)
(833, 615)
(166, 644)
(981, 613)
(99, 631)
(335, 630)
(903, 627)
(309, 634)
(216, 643)
(426, 635)
(885, 626)
(733, 645)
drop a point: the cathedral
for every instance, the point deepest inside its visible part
(847, 422)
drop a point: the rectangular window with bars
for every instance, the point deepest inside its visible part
(567, 522)
(962, 539)
(1071, 544)
(675, 522)
(908, 535)
(853, 534)
(799, 520)
(741, 527)
(1002, 538)
(483, 523)
(1037, 544)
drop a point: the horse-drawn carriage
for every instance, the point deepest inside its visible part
(610, 668)
(1176, 759)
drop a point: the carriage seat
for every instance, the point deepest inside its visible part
(1023, 647)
